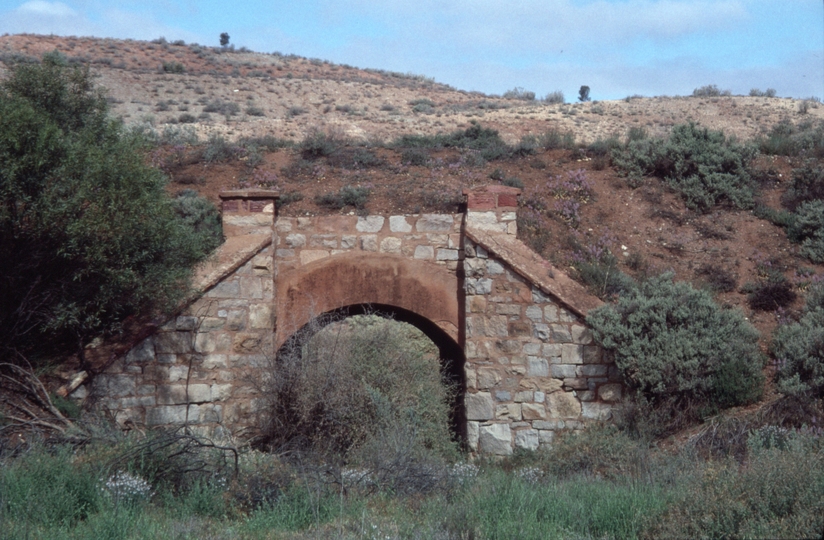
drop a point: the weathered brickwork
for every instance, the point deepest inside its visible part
(531, 366)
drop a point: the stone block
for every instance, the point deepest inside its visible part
(235, 320)
(479, 406)
(535, 313)
(261, 316)
(481, 252)
(537, 366)
(523, 396)
(220, 392)
(174, 414)
(143, 352)
(508, 309)
(495, 439)
(435, 223)
(540, 397)
(205, 342)
(370, 224)
(391, 244)
(348, 241)
(177, 373)
(593, 370)
(563, 405)
(399, 224)
(246, 343)
(369, 242)
(503, 395)
(549, 425)
(508, 411)
(596, 411)
(185, 323)
(328, 241)
(554, 351)
(478, 286)
(473, 432)
(496, 326)
(576, 383)
(471, 377)
(173, 342)
(559, 333)
(581, 334)
(474, 268)
(571, 354)
(225, 289)
(533, 411)
(592, 354)
(611, 393)
(493, 267)
(445, 254)
(586, 395)
(532, 348)
(114, 385)
(214, 361)
(563, 371)
(527, 439)
(520, 329)
(487, 378)
(546, 436)
(541, 331)
(551, 313)
(295, 240)
(210, 323)
(508, 346)
(476, 304)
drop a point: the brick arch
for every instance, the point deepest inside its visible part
(424, 289)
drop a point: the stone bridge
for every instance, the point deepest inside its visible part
(511, 324)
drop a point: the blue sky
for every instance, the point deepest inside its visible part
(617, 47)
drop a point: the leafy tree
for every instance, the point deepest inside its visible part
(88, 235)
(224, 39)
(583, 94)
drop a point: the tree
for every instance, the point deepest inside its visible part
(583, 94)
(88, 235)
(224, 39)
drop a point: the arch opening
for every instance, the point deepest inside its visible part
(451, 358)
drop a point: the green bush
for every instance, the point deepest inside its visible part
(709, 90)
(807, 227)
(674, 345)
(788, 139)
(318, 144)
(807, 185)
(347, 196)
(89, 235)
(705, 166)
(201, 216)
(487, 142)
(799, 349)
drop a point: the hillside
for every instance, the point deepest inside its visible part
(259, 102)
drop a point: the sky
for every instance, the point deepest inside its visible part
(618, 48)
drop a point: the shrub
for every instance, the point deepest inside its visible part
(807, 185)
(226, 108)
(788, 139)
(173, 67)
(710, 90)
(553, 139)
(317, 144)
(808, 228)
(415, 157)
(486, 141)
(771, 294)
(755, 92)
(187, 118)
(705, 166)
(347, 196)
(677, 348)
(218, 149)
(519, 93)
(201, 216)
(345, 391)
(254, 110)
(554, 97)
(799, 349)
(583, 94)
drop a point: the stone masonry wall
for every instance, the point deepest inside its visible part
(531, 368)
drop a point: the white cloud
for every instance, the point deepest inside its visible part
(47, 9)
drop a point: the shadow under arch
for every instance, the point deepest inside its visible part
(452, 359)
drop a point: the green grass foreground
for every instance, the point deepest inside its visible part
(600, 484)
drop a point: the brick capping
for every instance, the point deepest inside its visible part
(491, 198)
(536, 269)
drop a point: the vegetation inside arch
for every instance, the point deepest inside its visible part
(364, 391)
